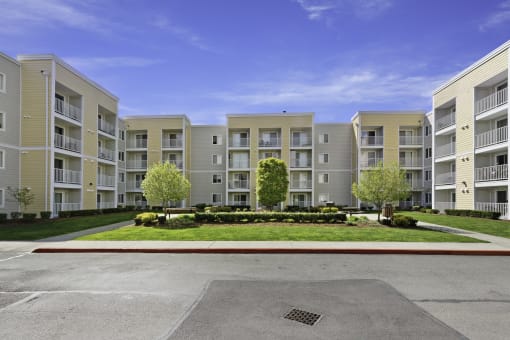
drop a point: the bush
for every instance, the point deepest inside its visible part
(147, 218)
(473, 213)
(352, 220)
(162, 220)
(216, 209)
(326, 210)
(402, 221)
(182, 221)
(200, 207)
(29, 217)
(138, 221)
(45, 215)
(64, 214)
(15, 215)
(251, 217)
(3, 217)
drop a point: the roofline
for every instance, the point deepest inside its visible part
(282, 114)
(332, 123)
(9, 58)
(395, 112)
(473, 66)
(208, 126)
(181, 116)
(29, 57)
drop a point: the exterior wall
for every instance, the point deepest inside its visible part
(9, 132)
(427, 161)
(121, 164)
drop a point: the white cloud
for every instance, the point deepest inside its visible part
(498, 17)
(181, 33)
(110, 62)
(366, 9)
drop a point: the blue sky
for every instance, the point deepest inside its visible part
(206, 58)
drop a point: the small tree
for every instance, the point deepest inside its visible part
(272, 182)
(382, 184)
(165, 183)
(23, 196)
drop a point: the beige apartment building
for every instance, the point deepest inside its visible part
(471, 136)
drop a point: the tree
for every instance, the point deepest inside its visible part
(23, 196)
(272, 182)
(165, 183)
(382, 184)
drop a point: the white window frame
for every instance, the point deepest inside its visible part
(323, 158)
(322, 176)
(324, 138)
(217, 176)
(122, 177)
(428, 175)
(121, 156)
(216, 194)
(219, 140)
(3, 83)
(218, 159)
(2, 120)
(323, 195)
(2, 159)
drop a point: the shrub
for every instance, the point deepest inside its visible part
(291, 208)
(3, 217)
(404, 221)
(352, 220)
(326, 210)
(64, 214)
(45, 215)
(138, 221)
(162, 220)
(182, 221)
(221, 217)
(216, 209)
(473, 213)
(147, 218)
(29, 217)
(129, 207)
(15, 215)
(200, 207)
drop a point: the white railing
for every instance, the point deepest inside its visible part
(134, 185)
(136, 164)
(410, 140)
(106, 180)
(105, 205)
(136, 143)
(172, 143)
(177, 162)
(65, 207)
(301, 142)
(270, 143)
(369, 163)
(406, 162)
(501, 208)
(138, 204)
(491, 173)
(445, 150)
(491, 101)
(239, 184)
(105, 153)
(372, 140)
(415, 185)
(491, 137)
(445, 121)
(444, 205)
(105, 126)
(239, 203)
(238, 164)
(239, 142)
(301, 163)
(67, 143)
(302, 204)
(68, 110)
(67, 176)
(303, 184)
(445, 178)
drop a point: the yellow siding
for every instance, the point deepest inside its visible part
(89, 176)
(32, 176)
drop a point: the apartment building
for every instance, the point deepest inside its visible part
(471, 136)
(9, 130)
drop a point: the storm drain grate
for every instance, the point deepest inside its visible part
(303, 316)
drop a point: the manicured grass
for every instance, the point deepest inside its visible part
(47, 228)
(277, 233)
(481, 225)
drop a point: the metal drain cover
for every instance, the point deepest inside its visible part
(302, 316)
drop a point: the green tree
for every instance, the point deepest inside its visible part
(23, 196)
(165, 183)
(381, 185)
(272, 182)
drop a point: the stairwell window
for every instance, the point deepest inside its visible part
(2, 159)
(323, 138)
(217, 140)
(324, 178)
(216, 199)
(2, 83)
(323, 158)
(216, 159)
(2, 200)
(216, 179)
(2, 121)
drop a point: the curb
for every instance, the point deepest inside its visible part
(278, 251)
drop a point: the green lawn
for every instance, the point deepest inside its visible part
(47, 228)
(482, 225)
(277, 233)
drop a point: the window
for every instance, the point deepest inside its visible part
(120, 198)
(428, 175)
(2, 83)
(216, 159)
(323, 138)
(216, 179)
(216, 199)
(323, 158)
(2, 121)
(121, 134)
(324, 178)
(2, 159)
(323, 198)
(2, 192)
(428, 152)
(121, 156)
(217, 140)
(121, 177)
(428, 130)
(428, 198)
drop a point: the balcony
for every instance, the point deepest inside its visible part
(372, 141)
(136, 143)
(67, 176)
(171, 143)
(302, 204)
(369, 163)
(491, 173)
(302, 142)
(447, 178)
(239, 203)
(107, 127)
(301, 163)
(491, 137)
(239, 142)
(491, 101)
(270, 143)
(67, 143)
(444, 205)
(239, 184)
(445, 121)
(415, 185)
(501, 208)
(301, 184)
(105, 180)
(238, 164)
(105, 205)
(410, 140)
(136, 164)
(410, 163)
(134, 185)
(445, 150)
(105, 153)
(65, 207)
(67, 110)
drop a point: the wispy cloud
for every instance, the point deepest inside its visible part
(498, 17)
(318, 9)
(181, 33)
(110, 62)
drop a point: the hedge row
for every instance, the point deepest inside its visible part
(91, 212)
(251, 217)
(473, 213)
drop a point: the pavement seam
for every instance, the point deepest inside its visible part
(14, 257)
(19, 302)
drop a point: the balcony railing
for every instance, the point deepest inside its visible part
(172, 143)
(177, 162)
(445, 121)
(410, 163)
(301, 142)
(67, 176)
(444, 205)
(105, 153)
(270, 143)
(491, 137)
(67, 143)
(65, 207)
(501, 208)
(138, 204)
(415, 184)
(304, 184)
(238, 164)
(445, 150)
(137, 143)
(105, 205)
(302, 204)
(239, 142)
(103, 125)
(301, 163)
(491, 101)
(369, 163)
(372, 140)
(239, 203)
(491, 173)
(134, 185)
(68, 110)
(445, 178)
(410, 140)
(136, 164)
(239, 184)
(106, 180)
